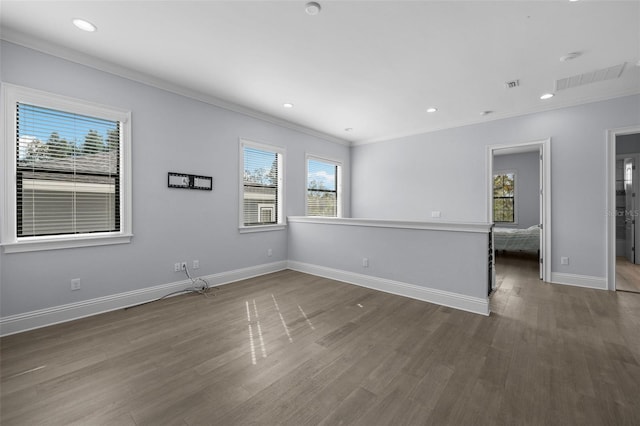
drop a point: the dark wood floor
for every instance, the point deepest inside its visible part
(294, 349)
(627, 275)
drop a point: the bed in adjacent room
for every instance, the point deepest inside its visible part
(517, 240)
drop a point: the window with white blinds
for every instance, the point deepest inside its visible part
(69, 175)
(323, 187)
(261, 191)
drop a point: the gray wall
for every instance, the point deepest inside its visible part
(407, 178)
(169, 133)
(451, 261)
(527, 168)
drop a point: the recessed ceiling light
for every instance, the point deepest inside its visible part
(348, 129)
(312, 8)
(288, 105)
(573, 1)
(487, 112)
(432, 109)
(84, 25)
(547, 96)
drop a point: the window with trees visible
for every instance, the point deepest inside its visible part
(504, 185)
(262, 182)
(323, 187)
(67, 164)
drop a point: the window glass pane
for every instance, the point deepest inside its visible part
(322, 188)
(504, 197)
(68, 175)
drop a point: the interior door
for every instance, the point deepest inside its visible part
(629, 217)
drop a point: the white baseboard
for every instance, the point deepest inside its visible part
(72, 311)
(440, 297)
(598, 283)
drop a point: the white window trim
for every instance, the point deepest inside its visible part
(515, 197)
(9, 240)
(335, 162)
(281, 182)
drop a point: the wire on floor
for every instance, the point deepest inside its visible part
(198, 285)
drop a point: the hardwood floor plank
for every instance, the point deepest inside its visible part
(293, 349)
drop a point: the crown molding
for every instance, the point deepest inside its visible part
(541, 108)
(43, 46)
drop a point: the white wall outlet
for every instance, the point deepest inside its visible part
(269, 252)
(75, 284)
(176, 267)
(196, 264)
(564, 260)
(183, 266)
(435, 213)
(365, 262)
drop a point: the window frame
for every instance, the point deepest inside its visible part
(280, 197)
(515, 196)
(339, 174)
(10, 242)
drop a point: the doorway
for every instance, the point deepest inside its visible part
(624, 150)
(542, 230)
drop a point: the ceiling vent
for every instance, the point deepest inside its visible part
(512, 84)
(590, 77)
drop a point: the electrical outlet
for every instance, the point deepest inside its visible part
(269, 252)
(365, 262)
(435, 214)
(564, 260)
(75, 284)
(176, 267)
(196, 264)
(183, 266)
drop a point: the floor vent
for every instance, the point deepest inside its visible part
(590, 77)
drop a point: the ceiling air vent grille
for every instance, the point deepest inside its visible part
(590, 77)
(512, 84)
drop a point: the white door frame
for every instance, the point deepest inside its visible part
(611, 201)
(544, 147)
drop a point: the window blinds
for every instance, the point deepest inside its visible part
(260, 193)
(68, 173)
(322, 192)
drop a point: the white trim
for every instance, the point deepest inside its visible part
(598, 283)
(453, 300)
(72, 311)
(545, 146)
(90, 240)
(610, 192)
(261, 228)
(11, 94)
(280, 206)
(482, 228)
(339, 175)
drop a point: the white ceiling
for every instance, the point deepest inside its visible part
(373, 66)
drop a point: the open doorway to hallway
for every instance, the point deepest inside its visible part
(627, 208)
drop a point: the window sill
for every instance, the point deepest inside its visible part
(261, 228)
(53, 243)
